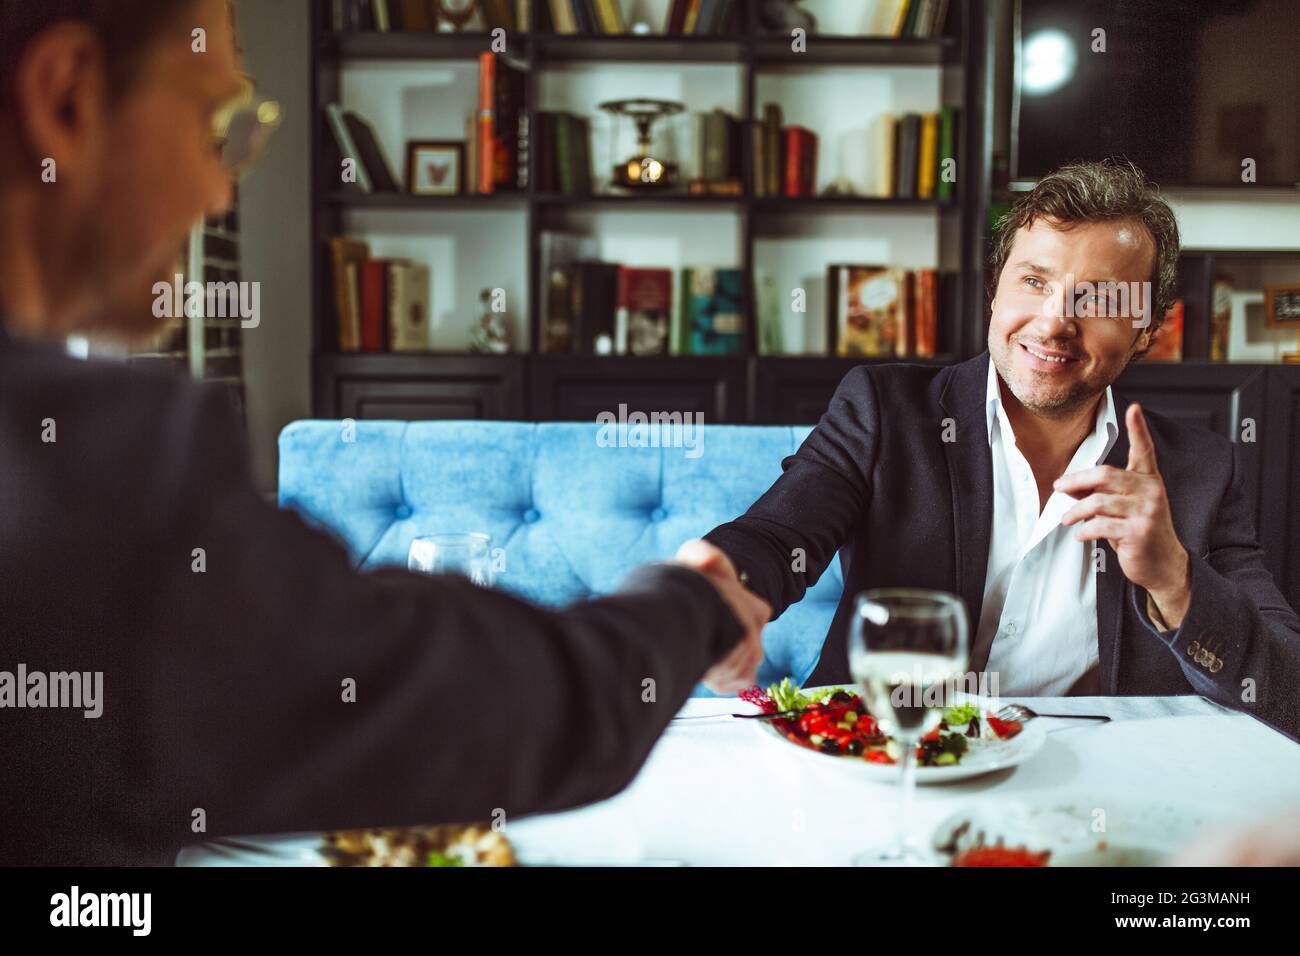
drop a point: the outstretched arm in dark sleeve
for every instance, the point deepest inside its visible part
(291, 693)
(786, 539)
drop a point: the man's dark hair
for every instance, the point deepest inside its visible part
(1097, 192)
(126, 29)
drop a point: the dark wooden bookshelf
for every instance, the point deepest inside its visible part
(536, 386)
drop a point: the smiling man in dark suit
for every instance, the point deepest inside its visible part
(1098, 549)
(220, 705)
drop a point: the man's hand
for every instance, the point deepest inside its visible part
(1130, 509)
(739, 669)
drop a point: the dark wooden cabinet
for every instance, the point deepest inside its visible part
(794, 390)
(1228, 399)
(1279, 526)
(419, 387)
(578, 387)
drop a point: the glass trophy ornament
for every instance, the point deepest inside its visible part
(646, 171)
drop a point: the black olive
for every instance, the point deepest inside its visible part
(841, 695)
(830, 746)
(855, 747)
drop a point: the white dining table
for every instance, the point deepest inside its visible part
(725, 792)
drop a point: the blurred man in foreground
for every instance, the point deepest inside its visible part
(221, 708)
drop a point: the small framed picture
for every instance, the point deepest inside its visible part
(435, 167)
(1282, 306)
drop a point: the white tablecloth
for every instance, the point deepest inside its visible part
(725, 793)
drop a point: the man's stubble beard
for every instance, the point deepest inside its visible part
(1079, 394)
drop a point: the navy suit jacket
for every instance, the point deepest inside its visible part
(223, 689)
(877, 482)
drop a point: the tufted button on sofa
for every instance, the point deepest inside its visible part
(570, 516)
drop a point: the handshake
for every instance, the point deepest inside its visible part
(739, 669)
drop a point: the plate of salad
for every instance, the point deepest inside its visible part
(833, 723)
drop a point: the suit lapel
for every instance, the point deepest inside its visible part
(970, 472)
(1111, 582)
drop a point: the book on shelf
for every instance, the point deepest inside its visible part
(409, 309)
(882, 311)
(800, 161)
(564, 153)
(356, 141)
(909, 151)
(1167, 346)
(916, 148)
(645, 308)
(773, 151)
(717, 145)
(699, 17)
(609, 16)
(712, 320)
(558, 253)
(499, 14)
(947, 151)
(595, 307)
(502, 132)
(420, 16)
(346, 259)
(380, 305)
(926, 161)
(920, 19)
(564, 18)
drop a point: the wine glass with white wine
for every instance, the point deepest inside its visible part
(905, 644)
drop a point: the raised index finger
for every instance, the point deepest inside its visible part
(1141, 449)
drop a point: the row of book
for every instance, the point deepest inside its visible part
(564, 153)
(785, 157)
(591, 307)
(919, 152)
(875, 311)
(915, 19)
(498, 158)
(380, 305)
(420, 16)
(700, 17)
(920, 19)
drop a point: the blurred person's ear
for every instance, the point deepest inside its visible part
(60, 95)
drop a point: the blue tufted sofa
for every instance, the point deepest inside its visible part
(572, 516)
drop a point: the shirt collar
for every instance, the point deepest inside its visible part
(1104, 432)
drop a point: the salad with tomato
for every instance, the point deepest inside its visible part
(836, 721)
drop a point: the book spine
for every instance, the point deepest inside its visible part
(676, 17)
(692, 15)
(685, 314)
(486, 100)
(373, 313)
(947, 143)
(773, 147)
(808, 160)
(793, 158)
(523, 157)
(704, 21)
(928, 157)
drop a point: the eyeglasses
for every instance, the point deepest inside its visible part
(242, 128)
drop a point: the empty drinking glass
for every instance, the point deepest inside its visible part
(465, 553)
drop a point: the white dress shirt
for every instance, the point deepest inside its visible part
(1040, 596)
